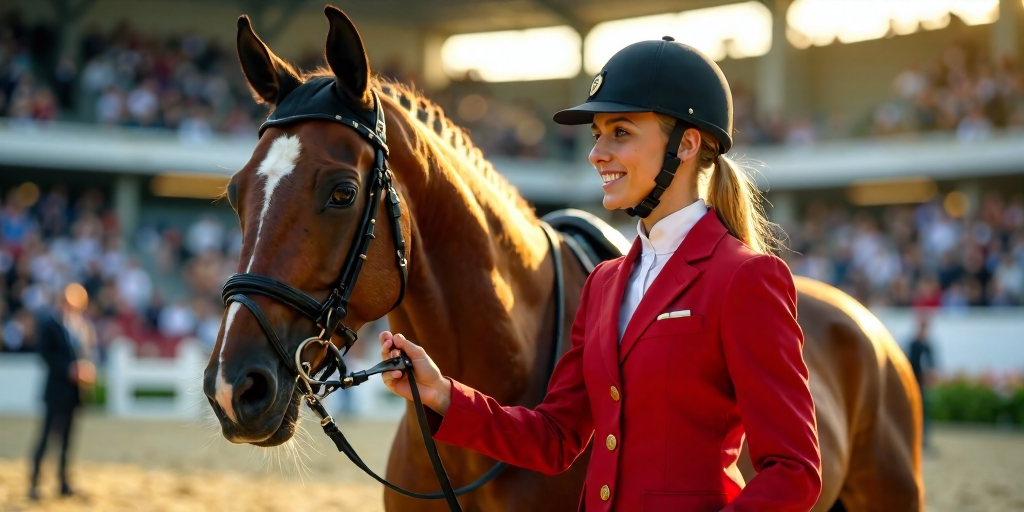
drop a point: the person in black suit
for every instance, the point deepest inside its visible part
(921, 354)
(63, 339)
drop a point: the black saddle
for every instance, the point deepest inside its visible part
(590, 238)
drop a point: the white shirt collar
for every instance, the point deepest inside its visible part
(668, 233)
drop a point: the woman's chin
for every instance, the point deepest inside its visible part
(615, 202)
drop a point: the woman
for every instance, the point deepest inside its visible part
(680, 349)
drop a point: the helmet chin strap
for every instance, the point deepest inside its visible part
(664, 178)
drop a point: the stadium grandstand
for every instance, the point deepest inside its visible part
(892, 152)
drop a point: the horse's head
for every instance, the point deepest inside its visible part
(300, 201)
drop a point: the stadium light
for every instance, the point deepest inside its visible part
(514, 55)
(821, 22)
(975, 12)
(188, 185)
(956, 204)
(737, 30)
(909, 190)
(27, 194)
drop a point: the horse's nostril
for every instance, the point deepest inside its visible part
(254, 388)
(254, 394)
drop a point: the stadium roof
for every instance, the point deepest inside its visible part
(461, 16)
(833, 164)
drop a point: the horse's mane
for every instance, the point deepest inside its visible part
(431, 118)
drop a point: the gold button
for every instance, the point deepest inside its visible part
(615, 393)
(610, 442)
(605, 492)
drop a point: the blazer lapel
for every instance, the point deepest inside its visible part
(611, 303)
(674, 278)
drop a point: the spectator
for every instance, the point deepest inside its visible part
(142, 104)
(195, 128)
(134, 285)
(975, 127)
(205, 235)
(110, 106)
(65, 338)
(918, 255)
(910, 82)
(922, 361)
(1008, 281)
(176, 320)
(15, 224)
(209, 319)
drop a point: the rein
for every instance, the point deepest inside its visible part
(317, 99)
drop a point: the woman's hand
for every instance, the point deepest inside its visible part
(435, 390)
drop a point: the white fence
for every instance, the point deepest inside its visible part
(971, 342)
(126, 375)
(21, 383)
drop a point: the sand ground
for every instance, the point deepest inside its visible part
(152, 465)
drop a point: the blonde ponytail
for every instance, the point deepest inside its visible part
(733, 193)
(737, 200)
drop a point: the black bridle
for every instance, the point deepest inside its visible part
(324, 103)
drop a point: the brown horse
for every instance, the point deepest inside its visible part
(480, 296)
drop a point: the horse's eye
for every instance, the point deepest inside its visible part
(342, 196)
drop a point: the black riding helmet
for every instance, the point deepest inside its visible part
(669, 78)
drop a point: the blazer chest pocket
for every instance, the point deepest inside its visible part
(675, 326)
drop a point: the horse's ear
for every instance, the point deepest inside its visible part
(269, 77)
(346, 57)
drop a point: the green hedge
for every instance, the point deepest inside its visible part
(1016, 406)
(97, 396)
(963, 401)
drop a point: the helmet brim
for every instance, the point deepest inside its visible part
(584, 114)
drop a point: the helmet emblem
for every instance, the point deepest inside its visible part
(596, 85)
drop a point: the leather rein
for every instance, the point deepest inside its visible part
(330, 314)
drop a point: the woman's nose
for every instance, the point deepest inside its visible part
(599, 154)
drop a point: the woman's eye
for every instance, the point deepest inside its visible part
(342, 196)
(618, 132)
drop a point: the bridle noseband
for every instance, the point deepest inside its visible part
(318, 99)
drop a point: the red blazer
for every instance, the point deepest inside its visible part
(669, 407)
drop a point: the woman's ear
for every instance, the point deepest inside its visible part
(689, 145)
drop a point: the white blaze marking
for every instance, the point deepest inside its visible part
(279, 162)
(224, 390)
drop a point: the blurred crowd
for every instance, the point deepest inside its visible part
(959, 91)
(162, 284)
(192, 84)
(919, 256)
(160, 287)
(181, 82)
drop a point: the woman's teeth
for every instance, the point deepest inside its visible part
(607, 178)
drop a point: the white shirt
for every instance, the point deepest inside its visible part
(666, 236)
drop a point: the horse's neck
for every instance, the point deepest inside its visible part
(478, 292)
